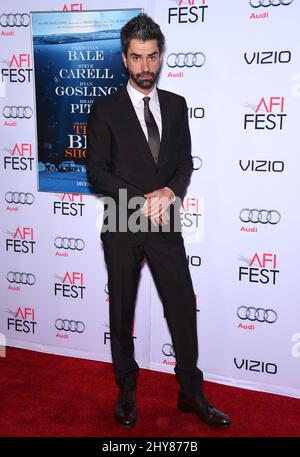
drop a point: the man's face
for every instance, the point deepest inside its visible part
(143, 63)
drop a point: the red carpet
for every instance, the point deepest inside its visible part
(49, 395)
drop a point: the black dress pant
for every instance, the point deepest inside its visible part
(169, 267)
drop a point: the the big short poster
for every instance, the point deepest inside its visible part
(77, 58)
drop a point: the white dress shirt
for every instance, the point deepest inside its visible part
(136, 98)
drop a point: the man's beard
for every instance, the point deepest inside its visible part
(144, 83)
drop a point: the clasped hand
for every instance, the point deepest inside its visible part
(157, 204)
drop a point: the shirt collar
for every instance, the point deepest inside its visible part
(137, 96)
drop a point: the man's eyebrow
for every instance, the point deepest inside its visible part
(140, 55)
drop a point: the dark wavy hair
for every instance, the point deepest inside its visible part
(143, 28)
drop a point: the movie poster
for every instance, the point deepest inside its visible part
(77, 58)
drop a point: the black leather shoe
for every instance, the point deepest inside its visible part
(125, 411)
(204, 410)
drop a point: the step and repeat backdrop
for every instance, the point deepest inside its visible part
(237, 63)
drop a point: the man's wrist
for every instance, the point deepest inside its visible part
(172, 195)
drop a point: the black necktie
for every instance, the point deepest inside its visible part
(153, 133)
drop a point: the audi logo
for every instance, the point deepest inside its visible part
(197, 162)
(186, 59)
(257, 314)
(168, 350)
(21, 278)
(267, 3)
(20, 112)
(69, 243)
(15, 20)
(23, 198)
(262, 216)
(70, 326)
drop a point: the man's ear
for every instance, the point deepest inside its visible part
(124, 59)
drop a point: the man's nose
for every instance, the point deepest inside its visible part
(145, 65)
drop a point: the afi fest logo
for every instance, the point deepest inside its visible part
(192, 222)
(19, 69)
(272, 115)
(265, 272)
(22, 321)
(22, 241)
(188, 12)
(69, 205)
(73, 7)
(70, 286)
(20, 158)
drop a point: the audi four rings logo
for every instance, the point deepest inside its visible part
(15, 20)
(168, 350)
(17, 112)
(23, 198)
(257, 314)
(262, 216)
(21, 278)
(267, 3)
(197, 162)
(70, 326)
(186, 59)
(69, 243)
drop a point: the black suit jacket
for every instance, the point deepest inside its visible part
(119, 157)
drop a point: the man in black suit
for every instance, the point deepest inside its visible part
(140, 160)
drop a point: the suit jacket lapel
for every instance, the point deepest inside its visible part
(165, 120)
